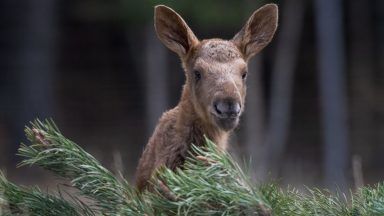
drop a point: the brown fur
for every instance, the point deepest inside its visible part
(221, 66)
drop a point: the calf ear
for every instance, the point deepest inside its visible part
(258, 31)
(173, 31)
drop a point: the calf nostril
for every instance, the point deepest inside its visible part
(227, 109)
(236, 108)
(219, 108)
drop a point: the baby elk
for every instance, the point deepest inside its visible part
(213, 95)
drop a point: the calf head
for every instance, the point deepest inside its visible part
(216, 69)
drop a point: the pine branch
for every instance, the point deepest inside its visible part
(52, 151)
(369, 201)
(15, 200)
(209, 183)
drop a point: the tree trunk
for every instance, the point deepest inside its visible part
(156, 78)
(282, 83)
(380, 82)
(331, 63)
(254, 119)
(362, 73)
(35, 63)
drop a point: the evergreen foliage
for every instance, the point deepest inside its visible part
(217, 13)
(210, 183)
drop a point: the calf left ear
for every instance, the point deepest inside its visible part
(173, 31)
(258, 31)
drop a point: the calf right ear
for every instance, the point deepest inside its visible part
(258, 31)
(173, 31)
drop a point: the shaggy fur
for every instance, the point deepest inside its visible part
(215, 70)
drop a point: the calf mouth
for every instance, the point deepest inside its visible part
(226, 124)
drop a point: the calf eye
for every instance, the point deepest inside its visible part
(197, 75)
(244, 76)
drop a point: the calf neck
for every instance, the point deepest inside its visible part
(214, 92)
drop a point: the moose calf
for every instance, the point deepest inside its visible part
(213, 96)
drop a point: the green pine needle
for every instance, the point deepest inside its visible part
(15, 200)
(209, 183)
(52, 151)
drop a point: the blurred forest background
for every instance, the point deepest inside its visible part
(315, 105)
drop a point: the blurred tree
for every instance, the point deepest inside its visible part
(37, 59)
(379, 105)
(31, 69)
(7, 83)
(361, 68)
(254, 116)
(282, 84)
(206, 14)
(252, 136)
(156, 79)
(330, 45)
